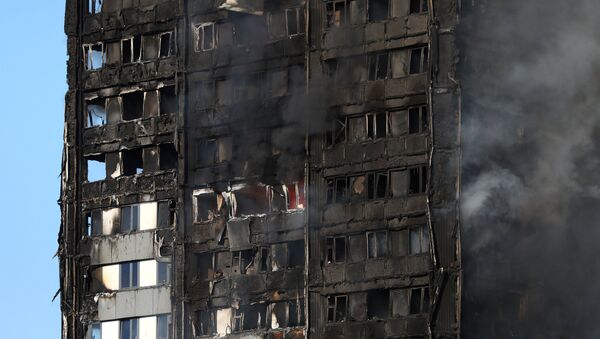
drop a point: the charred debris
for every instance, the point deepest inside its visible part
(261, 169)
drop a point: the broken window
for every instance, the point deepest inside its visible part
(150, 47)
(132, 161)
(418, 240)
(96, 168)
(337, 308)
(336, 249)
(296, 313)
(249, 317)
(205, 323)
(417, 180)
(150, 104)
(252, 200)
(378, 304)
(169, 102)
(205, 37)
(166, 214)
(96, 112)
(167, 45)
(377, 184)
(378, 10)
(419, 60)
(94, 223)
(357, 131)
(336, 133)
(295, 195)
(398, 123)
(131, 49)
(294, 18)
(164, 326)
(295, 253)
(377, 244)
(399, 63)
(129, 275)
(204, 265)
(358, 187)
(96, 331)
(130, 218)
(93, 56)
(167, 157)
(418, 6)
(163, 273)
(241, 260)
(398, 183)
(133, 105)
(129, 329)
(208, 206)
(376, 125)
(378, 66)
(337, 13)
(419, 300)
(417, 120)
(264, 263)
(95, 7)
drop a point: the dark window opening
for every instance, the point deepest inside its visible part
(163, 273)
(418, 6)
(94, 223)
(167, 45)
(252, 200)
(378, 304)
(133, 105)
(296, 313)
(419, 60)
(378, 10)
(168, 156)
(376, 125)
(164, 326)
(336, 249)
(378, 66)
(241, 260)
(417, 120)
(336, 134)
(294, 21)
(95, 7)
(377, 244)
(418, 240)
(296, 253)
(129, 329)
(94, 56)
(336, 13)
(417, 180)
(130, 218)
(419, 300)
(129, 274)
(204, 266)
(96, 167)
(207, 206)
(205, 323)
(337, 307)
(169, 102)
(96, 112)
(377, 184)
(131, 49)
(133, 161)
(249, 317)
(264, 260)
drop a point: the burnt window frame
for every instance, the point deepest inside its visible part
(133, 41)
(333, 136)
(328, 15)
(331, 250)
(373, 74)
(88, 63)
(424, 240)
(423, 179)
(300, 21)
(333, 309)
(372, 120)
(423, 60)
(199, 43)
(418, 7)
(172, 45)
(212, 322)
(88, 115)
(339, 188)
(242, 270)
(95, 7)
(423, 305)
(422, 123)
(376, 244)
(387, 16)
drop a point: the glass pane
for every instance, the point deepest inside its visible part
(96, 331)
(414, 241)
(135, 217)
(125, 275)
(126, 219)
(126, 329)
(381, 244)
(372, 246)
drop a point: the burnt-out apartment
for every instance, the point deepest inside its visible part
(261, 169)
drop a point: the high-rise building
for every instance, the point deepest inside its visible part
(261, 169)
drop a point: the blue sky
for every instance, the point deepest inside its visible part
(32, 64)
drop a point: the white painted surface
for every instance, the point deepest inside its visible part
(110, 330)
(111, 276)
(147, 272)
(148, 215)
(224, 321)
(147, 328)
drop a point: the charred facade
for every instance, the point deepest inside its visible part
(261, 169)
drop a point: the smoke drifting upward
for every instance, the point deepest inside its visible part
(530, 73)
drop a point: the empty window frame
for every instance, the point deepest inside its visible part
(418, 240)
(132, 161)
(129, 275)
(378, 304)
(335, 249)
(337, 308)
(264, 261)
(249, 317)
(130, 218)
(377, 185)
(336, 190)
(336, 133)
(131, 49)
(214, 151)
(419, 60)
(95, 112)
(241, 261)
(205, 323)
(166, 45)
(294, 19)
(206, 38)
(378, 66)
(133, 105)
(163, 273)
(378, 10)
(418, 6)
(167, 157)
(376, 125)
(129, 329)
(373, 185)
(418, 120)
(337, 13)
(94, 56)
(377, 244)
(164, 326)
(95, 6)
(417, 177)
(96, 167)
(169, 103)
(96, 331)
(419, 300)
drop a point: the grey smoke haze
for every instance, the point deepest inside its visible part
(530, 73)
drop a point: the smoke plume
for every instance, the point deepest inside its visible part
(531, 186)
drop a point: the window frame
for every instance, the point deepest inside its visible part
(299, 13)
(332, 248)
(172, 44)
(375, 235)
(328, 17)
(420, 8)
(199, 45)
(424, 242)
(423, 179)
(333, 306)
(134, 328)
(422, 119)
(89, 62)
(424, 308)
(134, 222)
(387, 16)
(423, 60)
